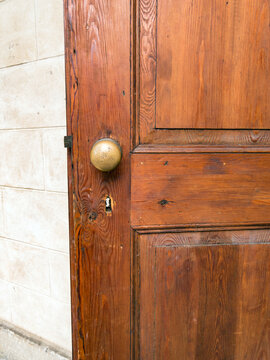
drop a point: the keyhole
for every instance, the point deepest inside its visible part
(108, 204)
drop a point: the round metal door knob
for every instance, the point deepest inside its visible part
(106, 154)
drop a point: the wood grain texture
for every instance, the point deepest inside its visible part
(208, 67)
(98, 105)
(180, 149)
(200, 189)
(206, 137)
(213, 64)
(146, 71)
(192, 281)
(202, 301)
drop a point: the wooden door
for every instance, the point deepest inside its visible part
(179, 268)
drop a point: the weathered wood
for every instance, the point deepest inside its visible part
(228, 138)
(203, 301)
(202, 66)
(213, 64)
(179, 269)
(98, 105)
(200, 189)
(180, 149)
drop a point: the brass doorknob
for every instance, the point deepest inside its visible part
(106, 154)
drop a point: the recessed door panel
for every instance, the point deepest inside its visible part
(202, 302)
(205, 64)
(213, 64)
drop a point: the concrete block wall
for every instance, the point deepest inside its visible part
(34, 256)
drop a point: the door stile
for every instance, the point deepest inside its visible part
(97, 35)
(71, 113)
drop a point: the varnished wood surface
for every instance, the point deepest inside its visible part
(98, 105)
(207, 68)
(145, 67)
(218, 295)
(195, 282)
(200, 189)
(180, 149)
(213, 64)
(208, 237)
(206, 137)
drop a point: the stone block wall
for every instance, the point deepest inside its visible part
(34, 250)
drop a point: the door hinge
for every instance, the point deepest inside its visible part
(68, 141)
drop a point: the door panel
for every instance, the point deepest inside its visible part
(200, 189)
(202, 301)
(212, 66)
(201, 66)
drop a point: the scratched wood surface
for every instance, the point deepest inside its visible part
(207, 67)
(218, 295)
(180, 267)
(213, 64)
(200, 189)
(146, 68)
(228, 138)
(98, 105)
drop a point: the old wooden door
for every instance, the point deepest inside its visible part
(178, 265)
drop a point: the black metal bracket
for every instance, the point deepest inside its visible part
(68, 141)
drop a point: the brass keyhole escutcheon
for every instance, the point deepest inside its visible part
(106, 154)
